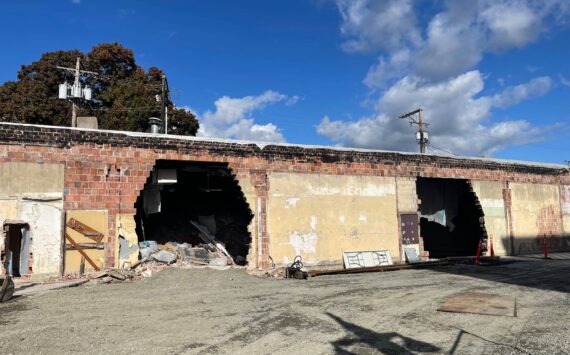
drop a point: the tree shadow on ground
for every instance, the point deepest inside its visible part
(362, 340)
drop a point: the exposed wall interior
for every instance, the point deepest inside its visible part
(450, 217)
(177, 193)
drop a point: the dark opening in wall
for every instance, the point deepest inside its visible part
(178, 192)
(16, 249)
(451, 218)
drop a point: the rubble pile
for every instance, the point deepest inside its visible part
(155, 257)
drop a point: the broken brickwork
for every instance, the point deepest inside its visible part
(107, 169)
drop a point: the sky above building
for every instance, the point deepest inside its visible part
(491, 76)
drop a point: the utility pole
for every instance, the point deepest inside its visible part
(422, 135)
(76, 90)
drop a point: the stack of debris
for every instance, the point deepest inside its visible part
(171, 252)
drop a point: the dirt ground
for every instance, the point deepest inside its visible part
(222, 312)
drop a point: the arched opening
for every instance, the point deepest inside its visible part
(451, 218)
(178, 193)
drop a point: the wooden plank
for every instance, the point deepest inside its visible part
(85, 230)
(211, 240)
(480, 303)
(85, 246)
(78, 248)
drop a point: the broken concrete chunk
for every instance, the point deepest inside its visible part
(165, 256)
(219, 262)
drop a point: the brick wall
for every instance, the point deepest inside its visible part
(107, 169)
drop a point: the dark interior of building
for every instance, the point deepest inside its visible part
(177, 193)
(16, 249)
(451, 222)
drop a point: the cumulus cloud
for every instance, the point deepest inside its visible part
(232, 118)
(458, 116)
(450, 42)
(429, 60)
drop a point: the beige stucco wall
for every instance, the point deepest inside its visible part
(532, 204)
(20, 178)
(490, 194)
(320, 216)
(565, 204)
(33, 193)
(407, 195)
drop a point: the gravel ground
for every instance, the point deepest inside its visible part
(209, 311)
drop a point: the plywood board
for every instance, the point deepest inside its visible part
(480, 303)
(96, 219)
(359, 259)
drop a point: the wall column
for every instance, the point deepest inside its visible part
(260, 182)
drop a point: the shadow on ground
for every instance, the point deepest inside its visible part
(540, 274)
(361, 340)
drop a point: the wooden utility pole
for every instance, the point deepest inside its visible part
(76, 89)
(422, 135)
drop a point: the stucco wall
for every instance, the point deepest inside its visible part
(320, 216)
(33, 193)
(535, 212)
(490, 194)
(407, 196)
(565, 205)
(20, 178)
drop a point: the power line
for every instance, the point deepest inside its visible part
(441, 149)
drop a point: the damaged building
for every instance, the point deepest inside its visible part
(78, 199)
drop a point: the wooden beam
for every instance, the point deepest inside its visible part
(85, 246)
(85, 230)
(80, 250)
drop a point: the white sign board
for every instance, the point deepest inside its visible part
(359, 259)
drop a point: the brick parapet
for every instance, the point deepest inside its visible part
(107, 170)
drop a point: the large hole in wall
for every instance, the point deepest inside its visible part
(208, 194)
(451, 222)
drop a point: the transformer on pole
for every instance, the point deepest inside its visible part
(75, 92)
(422, 135)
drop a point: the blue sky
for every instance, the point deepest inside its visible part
(491, 76)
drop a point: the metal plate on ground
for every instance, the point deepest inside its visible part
(480, 303)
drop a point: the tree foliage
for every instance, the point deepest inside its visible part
(124, 94)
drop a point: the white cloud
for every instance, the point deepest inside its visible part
(232, 118)
(448, 43)
(369, 25)
(515, 94)
(458, 116)
(76, 2)
(563, 80)
(428, 60)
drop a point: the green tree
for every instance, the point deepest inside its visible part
(124, 94)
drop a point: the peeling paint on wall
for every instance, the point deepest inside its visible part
(327, 222)
(292, 202)
(44, 220)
